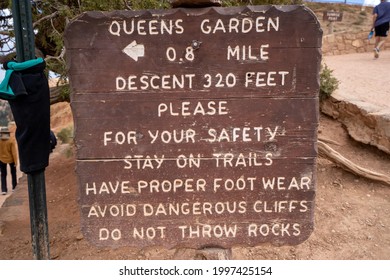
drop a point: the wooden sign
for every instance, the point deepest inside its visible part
(196, 127)
(333, 16)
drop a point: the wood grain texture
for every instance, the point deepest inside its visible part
(197, 127)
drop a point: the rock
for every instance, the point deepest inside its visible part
(357, 43)
(363, 123)
(203, 254)
(79, 237)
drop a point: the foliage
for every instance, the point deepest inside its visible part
(228, 3)
(69, 152)
(6, 34)
(65, 93)
(328, 83)
(66, 135)
(363, 13)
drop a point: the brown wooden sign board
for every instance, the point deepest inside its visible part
(196, 127)
(332, 16)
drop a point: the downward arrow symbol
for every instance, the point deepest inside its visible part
(134, 50)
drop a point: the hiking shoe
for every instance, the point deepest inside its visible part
(376, 52)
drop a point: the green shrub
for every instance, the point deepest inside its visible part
(328, 83)
(228, 3)
(69, 152)
(359, 21)
(66, 135)
(363, 13)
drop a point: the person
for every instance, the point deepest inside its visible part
(380, 23)
(53, 141)
(8, 155)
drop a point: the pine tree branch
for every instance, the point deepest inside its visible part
(45, 18)
(127, 5)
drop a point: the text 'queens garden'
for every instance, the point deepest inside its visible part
(170, 27)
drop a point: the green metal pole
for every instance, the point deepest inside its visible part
(24, 34)
(25, 50)
(38, 216)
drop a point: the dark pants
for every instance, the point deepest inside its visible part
(3, 169)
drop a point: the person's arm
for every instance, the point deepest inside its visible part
(374, 17)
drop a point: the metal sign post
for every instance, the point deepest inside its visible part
(25, 50)
(38, 215)
(21, 13)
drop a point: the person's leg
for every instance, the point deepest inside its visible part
(3, 170)
(377, 40)
(378, 44)
(376, 49)
(381, 42)
(13, 174)
(381, 32)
